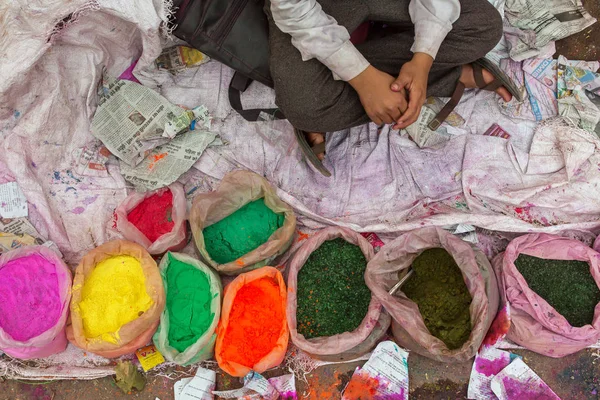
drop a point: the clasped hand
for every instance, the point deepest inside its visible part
(394, 101)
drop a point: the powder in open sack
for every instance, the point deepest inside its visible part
(255, 322)
(113, 295)
(241, 232)
(437, 286)
(332, 295)
(152, 216)
(30, 301)
(567, 285)
(188, 303)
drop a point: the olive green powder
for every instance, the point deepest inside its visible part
(241, 232)
(332, 295)
(438, 287)
(566, 285)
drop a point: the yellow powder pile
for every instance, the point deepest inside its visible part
(113, 295)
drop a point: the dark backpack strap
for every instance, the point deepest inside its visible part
(240, 83)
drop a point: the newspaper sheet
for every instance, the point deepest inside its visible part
(132, 119)
(422, 135)
(577, 93)
(166, 163)
(13, 203)
(543, 21)
(19, 232)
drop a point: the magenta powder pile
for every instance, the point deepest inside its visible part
(29, 297)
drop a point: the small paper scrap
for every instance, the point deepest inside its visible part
(384, 376)
(488, 362)
(518, 382)
(200, 387)
(13, 203)
(257, 387)
(149, 357)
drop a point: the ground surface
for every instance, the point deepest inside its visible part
(576, 377)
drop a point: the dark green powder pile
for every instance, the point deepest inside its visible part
(241, 232)
(188, 302)
(332, 295)
(438, 288)
(566, 285)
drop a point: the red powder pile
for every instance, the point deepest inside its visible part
(255, 323)
(153, 215)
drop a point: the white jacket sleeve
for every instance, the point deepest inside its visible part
(433, 20)
(317, 35)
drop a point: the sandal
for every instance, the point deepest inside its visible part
(311, 152)
(501, 79)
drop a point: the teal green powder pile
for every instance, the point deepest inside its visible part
(241, 232)
(188, 304)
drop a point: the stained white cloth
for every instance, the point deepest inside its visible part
(317, 35)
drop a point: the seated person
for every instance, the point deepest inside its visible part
(324, 83)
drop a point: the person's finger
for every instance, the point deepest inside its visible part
(414, 108)
(395, 114)
(376, 119)
(387, 118)
(400, 83)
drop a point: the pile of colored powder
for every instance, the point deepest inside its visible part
(255, 322)
(241, 232)
(29, 297)
(113, 295)
(152, 216)
(332, 295)
(438, 287)
(188, 303)
(566, 285)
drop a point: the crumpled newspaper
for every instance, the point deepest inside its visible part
(578, 94)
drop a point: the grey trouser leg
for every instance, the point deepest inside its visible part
(313, 101)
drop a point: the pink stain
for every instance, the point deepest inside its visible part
(78, 210)
(491, 367)
(516, 390)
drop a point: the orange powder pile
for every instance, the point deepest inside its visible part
(255, 323)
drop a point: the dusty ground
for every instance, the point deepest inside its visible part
(576, 377)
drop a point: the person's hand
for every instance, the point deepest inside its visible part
(413, 79)
(381, 104)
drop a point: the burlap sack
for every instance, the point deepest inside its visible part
(535, 324)
(237, 189)
(408, 326)
(347, 345)
(134, 334)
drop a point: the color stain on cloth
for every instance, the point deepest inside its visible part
(152, 216)
(113, 294)
(255, 322)
(241, 232)
(567, 285)
(29, 297)
(188, 303)
(332, 295)
(438, 287)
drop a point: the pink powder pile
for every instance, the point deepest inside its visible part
(29, 297)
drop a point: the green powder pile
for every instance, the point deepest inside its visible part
(566, 285)
(241, 232)
(188, 303)
(332, 295)
(438, 288)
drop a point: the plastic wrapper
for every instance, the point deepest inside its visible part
(237, 189)
(203, 348)
(535, 324)
(53, 340)
(174, 240)
(134, 334)
(347, 345)
(408, 326)
(276, 356)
